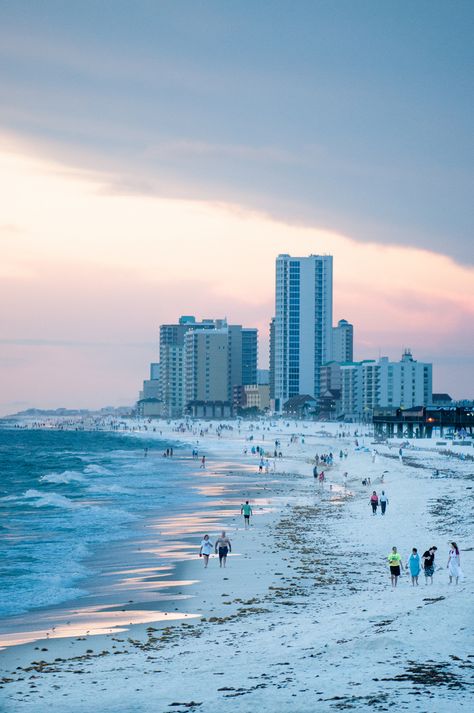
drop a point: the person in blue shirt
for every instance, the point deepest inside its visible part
(414, 566)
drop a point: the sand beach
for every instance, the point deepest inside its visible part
(303, 618)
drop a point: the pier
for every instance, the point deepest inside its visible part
(420, 422)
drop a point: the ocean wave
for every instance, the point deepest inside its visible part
(118, 489)
(50, 500)
(67, 476)
(95, 469)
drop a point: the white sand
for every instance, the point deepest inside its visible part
(303, 618)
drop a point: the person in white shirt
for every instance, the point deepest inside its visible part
(206, 549)
(383, 500)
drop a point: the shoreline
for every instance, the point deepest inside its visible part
(311, 577)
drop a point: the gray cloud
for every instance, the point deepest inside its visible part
(320, 119)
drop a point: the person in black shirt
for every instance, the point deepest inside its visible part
(428, 563)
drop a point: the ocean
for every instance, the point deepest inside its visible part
(66, 497)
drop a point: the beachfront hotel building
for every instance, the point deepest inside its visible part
(302, 337)
(206, 355)
(203, 361)
(172, 361)
(383, 383)
(249, 356)
(343, 341)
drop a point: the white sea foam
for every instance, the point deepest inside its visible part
(67, 476)
(50, 500)
(93, 468)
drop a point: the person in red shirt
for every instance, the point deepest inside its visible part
(374, 501)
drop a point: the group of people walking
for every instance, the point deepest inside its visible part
(222, 547)
(426, 562)
(376, 500)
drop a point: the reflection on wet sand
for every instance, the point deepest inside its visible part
(173, 538)
(89, 621)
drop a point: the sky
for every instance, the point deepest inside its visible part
(155, 157)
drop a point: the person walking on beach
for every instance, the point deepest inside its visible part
(203, 462)
(374, 502)
(315, 471)
(246, 511)
(222, 548)
(206, 549)
(414, 566)
(383, 502)
(454, 563)
(428, 563)
(395, 564)
(321, 478)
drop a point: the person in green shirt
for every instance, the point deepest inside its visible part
(246, 511)
(395, 564)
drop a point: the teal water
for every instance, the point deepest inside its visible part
(63, 496)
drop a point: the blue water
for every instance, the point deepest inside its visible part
(63, 495)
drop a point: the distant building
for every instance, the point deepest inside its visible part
(369, 384)
(150, 408)
(343, 341)
(329, 404)
(330, 376)
(155, 371)
(206, 365)
(263, 377)
(249, 355)
(150, 402)
(303, 325)
(272, 362)
(441, 400)
(172, 361)
(300, 406)
(252, 396)
(211, 409)
(194, 368)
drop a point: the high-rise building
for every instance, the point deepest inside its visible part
(272, 362)
(370, 383)
(181, 380)
(343, 341)
(330, 376)
(172, 361)
(207, 365)
(249, 355)
(154, 370)
(303, 324)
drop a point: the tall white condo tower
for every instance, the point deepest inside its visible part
(303, 324)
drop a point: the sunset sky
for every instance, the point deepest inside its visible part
(155, 157)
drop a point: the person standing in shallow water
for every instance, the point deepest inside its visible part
(395, 564)
(222, 548)
(206, 550)
(414, 566)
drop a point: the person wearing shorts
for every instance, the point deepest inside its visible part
(428, 563)
(246, 511)
(206, 549)
(222, 548)
(395, 564)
